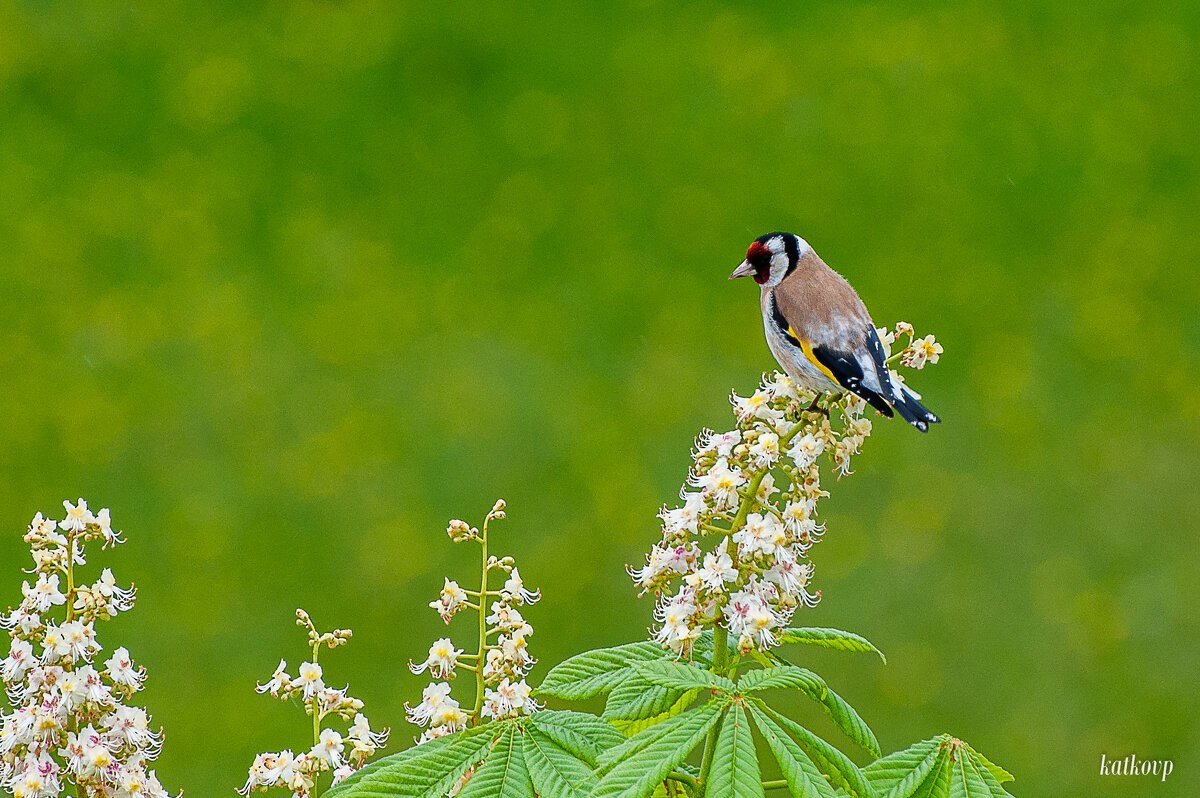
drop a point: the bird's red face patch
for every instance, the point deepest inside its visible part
(759, 257)
(758, 251)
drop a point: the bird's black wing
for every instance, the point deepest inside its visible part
(846, 368)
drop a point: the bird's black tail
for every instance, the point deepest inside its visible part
(912, 410)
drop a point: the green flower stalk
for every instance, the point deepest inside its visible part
(734, 556)
(72, 728)
(501, 658)
(332, 751)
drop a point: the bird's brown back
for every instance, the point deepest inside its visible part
(821, 306)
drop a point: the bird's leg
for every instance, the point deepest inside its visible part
(816, 408)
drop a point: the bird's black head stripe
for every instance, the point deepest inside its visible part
(793, 252)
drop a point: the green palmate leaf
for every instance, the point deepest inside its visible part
(702, 652)
(678, 676)
(937, 783)
(579, 733)
(832, 763)
(801, 773)
(423, 771)
(998, 773)
(849, 722)
(887, 771)
(554, 772)
(829, 638)
(640, 740)
(655, 752)
(966, 781)
(637, 699)
(503, 774)
(784, 676)
(632, 726)
(989, 775)
(593, 672)
(904, 771)
(942, 767)
(814, 687)
(734, 770)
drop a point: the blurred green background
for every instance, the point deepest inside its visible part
(289, 285)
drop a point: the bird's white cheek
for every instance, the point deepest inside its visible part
(778, 271)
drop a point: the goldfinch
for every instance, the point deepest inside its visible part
(820, 331)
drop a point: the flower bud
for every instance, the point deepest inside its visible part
(460, 531)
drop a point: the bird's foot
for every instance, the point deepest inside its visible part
(816, 408)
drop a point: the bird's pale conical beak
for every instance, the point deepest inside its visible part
(742, 271)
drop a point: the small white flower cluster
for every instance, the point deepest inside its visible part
(331, 751)
(917, 352)
(735, 553)
(502, 659)
(70, 724)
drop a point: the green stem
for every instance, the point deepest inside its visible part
(777, 784)
(71, 576)
(316, 716)
(720, 649)
(900, 354)
(710, 748)
(720, 633)
(479, 656)
(683, 778)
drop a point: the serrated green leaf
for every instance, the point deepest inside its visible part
(634, 725)
(812, 685)
(639, 740)
(898, 775)
(578, 733)
(965, 781)
(936, 768)
(599, 671)
(829, 638)
(782, 676)
(734, 769)
(993, 784)
(998, 773)
(678, 676)
(554, 772)
(908, 783)
(848, 720)
(803, 777)
(503, 773)
(937, 783)
(842, 773)
(702, 651)
(656, 752)
(429, 769)
(637, 699)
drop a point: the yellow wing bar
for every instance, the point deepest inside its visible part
(808, 353)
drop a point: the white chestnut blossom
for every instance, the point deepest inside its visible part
(443, 656)
(514, 591)
(922, 351)
(332, 752)
(508, 700)
(71, 728)
(734, 553)
(502, 658)
(450, 600)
